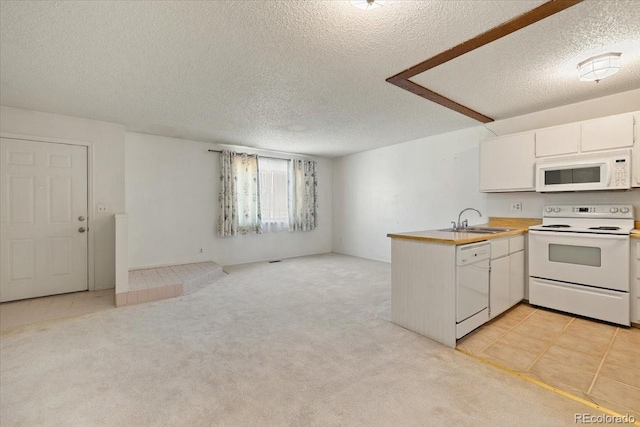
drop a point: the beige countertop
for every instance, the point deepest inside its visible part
(517, 225)
(453, 238)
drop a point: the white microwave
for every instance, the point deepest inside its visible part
(585, 172)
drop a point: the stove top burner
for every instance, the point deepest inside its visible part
(604, 228)
(556, 226)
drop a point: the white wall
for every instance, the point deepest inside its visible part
(417, 185)
(108, 172)
(172, 202)
(423, 184)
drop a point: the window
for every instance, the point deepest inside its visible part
(274, 193)
(265, 194)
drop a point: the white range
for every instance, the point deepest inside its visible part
(579, 261)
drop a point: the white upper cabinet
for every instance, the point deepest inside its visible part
(607, 133)
(507, 163)
(558, 140)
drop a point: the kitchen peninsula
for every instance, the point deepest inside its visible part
(426, 269)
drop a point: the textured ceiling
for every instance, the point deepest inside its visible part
(297, 76)
(535, 68)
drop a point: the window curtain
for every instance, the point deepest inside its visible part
(239, 194)
(303, 208)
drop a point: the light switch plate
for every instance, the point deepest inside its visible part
(103, 208)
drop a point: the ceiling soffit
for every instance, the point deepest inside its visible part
(402, 79)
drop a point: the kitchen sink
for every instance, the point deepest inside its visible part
(478, 230)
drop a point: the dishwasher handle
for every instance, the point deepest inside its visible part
(469, 254)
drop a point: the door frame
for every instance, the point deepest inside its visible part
(90, 206)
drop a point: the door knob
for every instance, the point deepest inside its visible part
(80, 218)
(82, 229)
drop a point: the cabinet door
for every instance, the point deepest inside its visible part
(499, 248)
(607, 133)
(507, 163)
(557, 140)
(516, 244)
(516, 278)
(499, 288)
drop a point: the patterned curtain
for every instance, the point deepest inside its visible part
(303, 215)
(239, 194)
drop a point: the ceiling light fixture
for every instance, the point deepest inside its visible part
(368, 4)
(599, 67)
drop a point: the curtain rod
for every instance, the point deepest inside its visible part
(264, 157)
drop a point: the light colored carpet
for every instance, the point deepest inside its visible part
(304, 342)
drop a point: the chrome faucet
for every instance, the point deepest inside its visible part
(464, 223)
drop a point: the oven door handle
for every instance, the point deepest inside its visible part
(585, 235)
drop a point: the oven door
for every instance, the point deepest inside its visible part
(600, 260)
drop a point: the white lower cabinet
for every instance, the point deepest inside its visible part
(506, 280)
(426, 283)
(499, 287)
(516, 278)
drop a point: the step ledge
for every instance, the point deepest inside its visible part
(168, 282)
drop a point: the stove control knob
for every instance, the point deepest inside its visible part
(613, 210)
(624, 210)
(556, 210)
(549, 209)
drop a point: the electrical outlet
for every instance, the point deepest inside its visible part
(103, 208)
(516, 207)
(200, 250)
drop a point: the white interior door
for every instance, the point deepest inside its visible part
(43, 219)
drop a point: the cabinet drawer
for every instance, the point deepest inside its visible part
(602, 304)
(516, 244)
(499, 248)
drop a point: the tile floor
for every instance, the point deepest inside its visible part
(171, 275)
(36, 310)
(595, 361)
(152, 284)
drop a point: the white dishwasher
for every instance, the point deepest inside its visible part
(472, 286)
